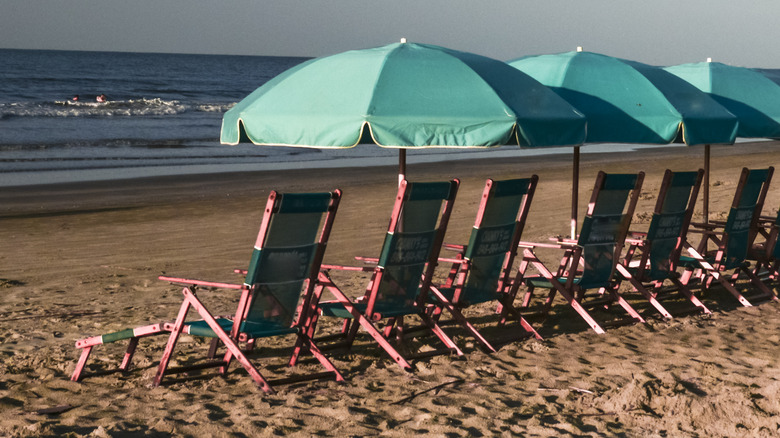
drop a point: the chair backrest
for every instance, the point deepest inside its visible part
(287, 255)
(497, 230)
(742, 221)
(412, 244)
(670, 222)
(605, 226)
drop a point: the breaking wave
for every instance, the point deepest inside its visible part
(118, 108)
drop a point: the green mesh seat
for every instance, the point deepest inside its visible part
(481, 271)
(652, 257)
(401, 278)
(276, 297)
(592, 258)
(732, 239)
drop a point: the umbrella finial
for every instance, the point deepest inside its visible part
(403, 40)
(579, 48)
(709, 59)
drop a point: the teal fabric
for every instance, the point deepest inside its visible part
(251, 329)
(740, 219)
(117, 336)
(407, 249)
(492, 240)
(630, 102)
(403, 95)
(337, 310)
(746, 93)
(666, 227)
(738, 224)
(279, 270)
(601, 230)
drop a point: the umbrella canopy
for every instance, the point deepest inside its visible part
(403, 95)
(630, 102)
(752, 97)
(748, 94)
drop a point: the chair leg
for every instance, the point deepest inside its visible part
(759, 284)
(730, 287)
(213, 348)
(76, 377)
(172, 339)
(448, 342)
(324, 361)
(639, 287)
(686, 292)
(458, 316)
(627, 307)
(129, 354)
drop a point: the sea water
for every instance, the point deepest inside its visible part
(163, 116)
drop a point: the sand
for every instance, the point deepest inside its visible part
(83, 259)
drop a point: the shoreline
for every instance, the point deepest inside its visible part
(343, 160)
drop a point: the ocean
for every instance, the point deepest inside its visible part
(163, 116)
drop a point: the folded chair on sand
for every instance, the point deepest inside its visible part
(279, 283)
(732, 239)
(590, 261)
(653, 257)
(482, 270)
(401, 278)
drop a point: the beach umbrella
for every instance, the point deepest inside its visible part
(752, 97)
(403, 95)
(630, 102)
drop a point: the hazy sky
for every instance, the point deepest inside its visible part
(662, 32)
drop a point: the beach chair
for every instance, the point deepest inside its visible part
(653, 257)
(276, 292)
(590, 261)
(401, 277)
(732, 240)
(482, 270)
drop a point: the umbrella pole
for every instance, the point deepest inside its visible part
(401, 165)
(575, 182)
(706, 191)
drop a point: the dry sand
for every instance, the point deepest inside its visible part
(83, 259)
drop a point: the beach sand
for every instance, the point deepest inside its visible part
(83, 259)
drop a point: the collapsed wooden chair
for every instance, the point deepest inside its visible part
(402, 276)
(482, 270)
(274, 297)
(653, 257)
(732, 240)
(590, 261)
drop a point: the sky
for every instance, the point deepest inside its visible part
(659, 32)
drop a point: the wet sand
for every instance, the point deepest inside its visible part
(82, 259)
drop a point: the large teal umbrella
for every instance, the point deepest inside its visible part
(630, 102)
(748, 94)
(403, 95)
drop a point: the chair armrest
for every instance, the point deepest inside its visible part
(451, 260)
(372, 260)
(453, 247)
(189, 282)
(325, 267)
(557, 245)
(707, 226)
